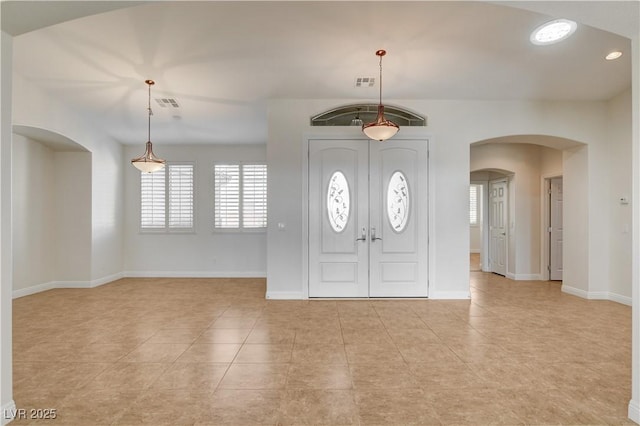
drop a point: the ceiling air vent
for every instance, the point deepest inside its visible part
(365, 81)
(167, 103)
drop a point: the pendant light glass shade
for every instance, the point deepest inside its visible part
(148, 163)
(381, 129)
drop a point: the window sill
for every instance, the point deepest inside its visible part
(167, 232)
(248, 231)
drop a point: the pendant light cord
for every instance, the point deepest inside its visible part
(149, 111)
(380, 79)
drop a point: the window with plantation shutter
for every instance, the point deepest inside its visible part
(254, 195)
(181, 196)
(227, 196)
(152, 200)
(473, 205)
(240, 196)
(167, 199)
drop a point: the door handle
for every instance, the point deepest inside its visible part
(364, 235)
(373, 235)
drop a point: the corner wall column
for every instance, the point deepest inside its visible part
(7, 405)
(634, 404)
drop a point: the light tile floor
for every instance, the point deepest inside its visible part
(474, 262)
(214, 351)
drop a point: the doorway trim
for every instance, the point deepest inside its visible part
(348, 136)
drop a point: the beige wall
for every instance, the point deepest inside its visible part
(34, 212)
(51, 217)
(619, 185)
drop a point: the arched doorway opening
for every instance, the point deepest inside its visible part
(51, 209)
(526, 163)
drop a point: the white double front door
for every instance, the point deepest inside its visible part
(368, 222)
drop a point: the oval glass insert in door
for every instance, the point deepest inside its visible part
(338, 201)
(398, 201)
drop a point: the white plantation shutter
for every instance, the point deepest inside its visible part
(254, 196)
(473, 204)
(240, 198)
(226, 196)
(152, 200)
(181, 196)
(166, 198)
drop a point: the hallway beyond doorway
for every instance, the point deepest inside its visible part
(474, 262)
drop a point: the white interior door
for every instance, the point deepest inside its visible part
(555, 230)
(367, 218)
(498, 227)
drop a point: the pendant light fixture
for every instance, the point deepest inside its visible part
(381, 129)
(148, 163)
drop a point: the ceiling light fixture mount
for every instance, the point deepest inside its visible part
(148, 163)
(381, 129)
(553, 32)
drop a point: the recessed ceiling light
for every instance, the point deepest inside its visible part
(553, 32)
(613, 55)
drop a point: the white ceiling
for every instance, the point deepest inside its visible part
(222, 61)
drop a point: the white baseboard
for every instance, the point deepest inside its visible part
(634, 411)
(450, 295)
(195, 274)
(574, 291)
(9, 411)
(38, 288)
(285, 295)
(528, 277)
(523, 277)
(298, 295)
(606, 295)
(620, 299)
(596, 295)
(72, 284)
(106, 280)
